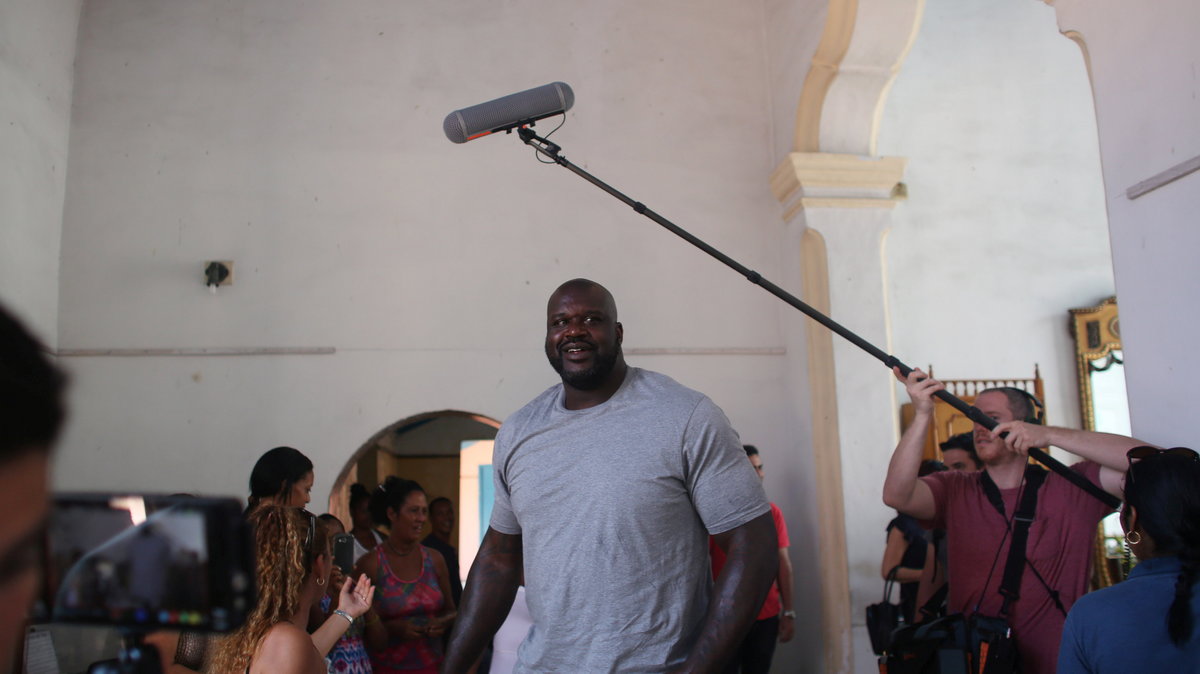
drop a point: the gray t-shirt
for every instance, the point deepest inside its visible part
(614, 504)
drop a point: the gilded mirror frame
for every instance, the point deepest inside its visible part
(1097, 335)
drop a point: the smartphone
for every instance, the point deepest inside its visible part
(147, 561)
(343, 553)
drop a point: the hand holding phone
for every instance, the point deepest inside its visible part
(343, 553)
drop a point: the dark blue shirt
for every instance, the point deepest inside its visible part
(1123, 628)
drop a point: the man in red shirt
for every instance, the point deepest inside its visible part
(776, 620)
(1064, 525)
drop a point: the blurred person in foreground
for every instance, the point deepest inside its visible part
(1148, 622)
(31, 414)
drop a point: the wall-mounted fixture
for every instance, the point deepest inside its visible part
(218, 273)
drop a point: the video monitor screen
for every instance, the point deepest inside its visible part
(147, 560)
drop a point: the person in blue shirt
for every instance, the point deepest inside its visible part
(1148, 622)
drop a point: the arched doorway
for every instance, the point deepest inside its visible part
(449, 452)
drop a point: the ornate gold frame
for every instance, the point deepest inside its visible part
(1097, 333)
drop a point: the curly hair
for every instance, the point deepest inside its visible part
(283, 565)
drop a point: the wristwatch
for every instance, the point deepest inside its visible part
(788, 614)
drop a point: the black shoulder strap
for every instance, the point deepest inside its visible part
(1014, 567)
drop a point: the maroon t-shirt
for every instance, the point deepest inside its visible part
(1059, 547)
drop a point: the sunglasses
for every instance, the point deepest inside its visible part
(1146, 452)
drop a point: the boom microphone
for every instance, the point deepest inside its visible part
(508, 112)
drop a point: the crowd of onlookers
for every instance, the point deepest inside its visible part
(388, 611)
(393, 603)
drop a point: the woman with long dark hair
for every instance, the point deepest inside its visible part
(1148, 623)
(283, 476)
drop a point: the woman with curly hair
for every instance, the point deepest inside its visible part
(413, 608)
(1148, 622)
(293, 567)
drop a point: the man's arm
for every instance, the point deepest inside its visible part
(932, 578)
(751, 564)
(1106, 449)
(787, 622)
(902, 489)
(487, 598)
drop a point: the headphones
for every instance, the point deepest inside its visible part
(1037, 409)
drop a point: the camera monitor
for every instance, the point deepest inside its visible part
(148, 561)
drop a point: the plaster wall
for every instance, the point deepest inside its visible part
(1144, 65)
(37, 56)
(1004, 228)
(303, 141)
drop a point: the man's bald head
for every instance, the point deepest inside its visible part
(586, 287)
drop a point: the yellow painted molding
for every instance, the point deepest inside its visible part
(826, 180)
(832, 556)
(835, 41)
(1077, 37)
(817, 202)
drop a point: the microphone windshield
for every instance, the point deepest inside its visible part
(508, 112)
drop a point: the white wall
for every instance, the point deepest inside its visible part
(1004, 229)
(37, 56)
(313, 157)
(303, 140)
(1144, 63)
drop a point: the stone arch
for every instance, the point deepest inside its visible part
(337, 499)
(861, 50)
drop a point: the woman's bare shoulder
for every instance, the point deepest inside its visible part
(287, 649)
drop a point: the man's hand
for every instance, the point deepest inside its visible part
(902, 489)
(751, 566)
(921, 388)
(787, 628)
(1022, 436)
(487, 599)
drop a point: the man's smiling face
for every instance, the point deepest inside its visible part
(583, 337)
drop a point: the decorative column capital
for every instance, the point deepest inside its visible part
(825, 180)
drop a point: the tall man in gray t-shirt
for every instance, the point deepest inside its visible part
(607, 487)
